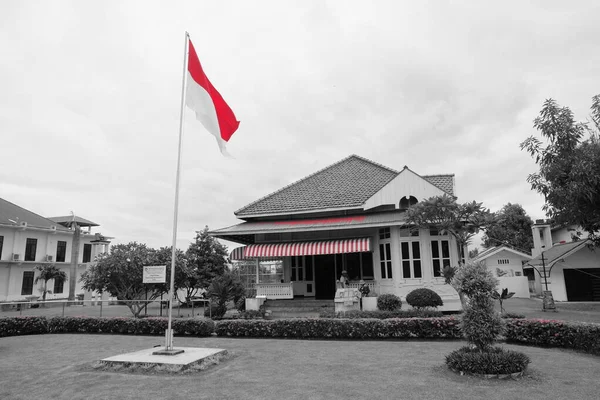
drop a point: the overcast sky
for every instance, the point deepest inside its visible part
(90, 96)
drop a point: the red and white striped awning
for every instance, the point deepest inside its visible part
(302, 248)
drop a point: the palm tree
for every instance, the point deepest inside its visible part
(47, 272)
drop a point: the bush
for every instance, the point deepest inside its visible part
(240, 304)
(382, 314)
(493, 361)
(248, 314)
(15, 326)
(134, 326)
(424, 298)
(511, 315)
(314, 328)
(552, 333)
(215, 311)
(474, 279)
(388, 302)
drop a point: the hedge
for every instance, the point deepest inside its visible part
(321, 328)
(552, 333)
(13, 326)
(382, 314)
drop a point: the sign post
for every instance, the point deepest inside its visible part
(155, 274)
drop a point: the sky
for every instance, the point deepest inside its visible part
(90, 100)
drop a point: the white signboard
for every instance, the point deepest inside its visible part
(155, 274)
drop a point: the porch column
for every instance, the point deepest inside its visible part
(257, 267)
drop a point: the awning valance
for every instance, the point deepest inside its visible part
(302, 248)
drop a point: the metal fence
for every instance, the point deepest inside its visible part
(104, 308)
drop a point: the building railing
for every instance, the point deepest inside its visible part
(275, 290)
(356, 285)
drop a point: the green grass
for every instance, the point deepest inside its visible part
(59, 367)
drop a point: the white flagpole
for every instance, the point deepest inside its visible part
(169, 332)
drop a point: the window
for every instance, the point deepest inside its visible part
(440, 255)
(30, 249)
(384, 233)
(61, 251)
(406, 202)
(1, 243)
(411, 259)
(358, 265)
(246, 270)
(27, 287)
(297, 269)
(504, 261)
(385, 257)
(58, 286)
(270, 271)
(87, 253)
(412, 232)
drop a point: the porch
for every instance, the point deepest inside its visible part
(280, 291)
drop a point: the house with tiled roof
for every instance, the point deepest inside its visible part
(349, 216)
(27, 240)
(563, 263)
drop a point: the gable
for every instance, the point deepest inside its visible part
(405, 184)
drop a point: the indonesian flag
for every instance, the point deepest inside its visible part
(210, 108)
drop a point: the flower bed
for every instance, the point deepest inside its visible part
(553, 333)
(342, 328)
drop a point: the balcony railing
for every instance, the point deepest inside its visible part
(275, 290)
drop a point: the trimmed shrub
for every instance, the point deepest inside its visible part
(495, 360)
(382, 314)
(132, 326)
(424, 298)
(248, 314)
(388, 302)
(552, 333)
(511, 315)
(315, 328)
(15, 326)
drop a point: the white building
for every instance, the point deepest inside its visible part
(28, 239)
(506, 264)
(569, 268)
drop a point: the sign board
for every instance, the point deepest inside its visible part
(155, 274)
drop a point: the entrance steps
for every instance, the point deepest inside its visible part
(298, 307)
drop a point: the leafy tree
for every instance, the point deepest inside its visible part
(47, 272)
(182, 272)
(120, 273)
(461, 221)
(207, 259)
(225, 288)
(569, 166)
(474, 253)
(511, 226)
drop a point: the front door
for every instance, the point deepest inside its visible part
(303, 276)
(324, 276)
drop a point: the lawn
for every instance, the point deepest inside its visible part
(57, 367)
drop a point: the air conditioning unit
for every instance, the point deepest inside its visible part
(49, 258)
(16, 257)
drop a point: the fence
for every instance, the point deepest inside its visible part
(103, 308)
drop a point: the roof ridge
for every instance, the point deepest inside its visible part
(426, 176)
(432, 175)
(29, 211)
(312, 175)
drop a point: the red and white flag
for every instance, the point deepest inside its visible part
(210, 108)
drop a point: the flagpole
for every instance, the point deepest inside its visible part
(169, 332)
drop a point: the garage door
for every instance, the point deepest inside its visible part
(582, 284)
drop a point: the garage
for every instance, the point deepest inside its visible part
(582, 284)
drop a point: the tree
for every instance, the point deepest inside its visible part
(207, 259)
(569, 166)
(225, 288)
(47, 272)
(474, 253)
(120, 273)
(461, 221)
(512, 227)
(185, 277)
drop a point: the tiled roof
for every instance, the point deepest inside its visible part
(444, 182)
(12, 214)
(345, 184)
(305, 225)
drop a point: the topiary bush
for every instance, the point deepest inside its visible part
(424, 298)
(495, 361)
(388, 302)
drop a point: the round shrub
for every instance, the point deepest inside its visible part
(388, 302)
(424, 298)
(496, 360)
